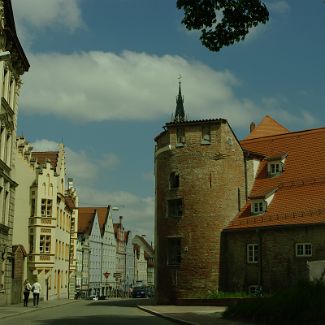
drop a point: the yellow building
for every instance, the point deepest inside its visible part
(46, 220)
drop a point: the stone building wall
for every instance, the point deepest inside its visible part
(212, 187)
(278, 266)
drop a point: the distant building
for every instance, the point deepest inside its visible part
(97, 245)
(144, 260)
(11, 70)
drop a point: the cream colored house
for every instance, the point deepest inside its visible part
(144, 261)
(46, 220)
(11, 70)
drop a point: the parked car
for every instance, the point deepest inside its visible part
(139, 292)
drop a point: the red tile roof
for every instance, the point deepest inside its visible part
(86, 217)
(267, 127)
(300, 189)
(42, 157)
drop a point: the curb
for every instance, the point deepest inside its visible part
(171, 318)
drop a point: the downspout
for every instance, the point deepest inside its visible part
(245, 174)
(260, 260)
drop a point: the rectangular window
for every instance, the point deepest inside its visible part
(175, 208)
(174, 180)
(258, 207)
(180, 133)
(304, 249)
(174, 251)
(45, 244)
(252, 253)
(206, 134)
(275, 168)
(46, 208)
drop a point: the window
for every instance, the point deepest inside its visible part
(46, 208)
(180, 133)
(304, 249)
(174, 251)
(252, 253)
(274, 168)
(45, 244)
(175, 208)
(173, 180)
(206, 134)
(258, 206)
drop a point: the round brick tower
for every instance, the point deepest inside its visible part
(200, 186)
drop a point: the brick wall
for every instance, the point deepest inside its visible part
(211, 179)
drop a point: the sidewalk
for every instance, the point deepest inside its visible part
(191, 315)
(11, 310)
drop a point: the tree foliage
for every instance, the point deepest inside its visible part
(222, 22)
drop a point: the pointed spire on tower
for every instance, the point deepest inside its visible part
(179, 112)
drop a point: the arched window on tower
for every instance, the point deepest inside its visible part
(174, 180)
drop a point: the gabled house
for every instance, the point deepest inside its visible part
(144, 262)
(89, 231)
(120, 274)
(129, 262)
(279, 231)
(13, 64)
(108, 267)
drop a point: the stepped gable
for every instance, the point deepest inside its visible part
(85, 219)
(267, 127)
(299, 190)
(43, 157)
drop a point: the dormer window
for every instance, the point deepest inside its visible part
(275, 165)
(180, 133)
(258, 207)
(206, 134)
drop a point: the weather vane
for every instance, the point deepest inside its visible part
(179, 78)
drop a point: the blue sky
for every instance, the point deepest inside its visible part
(103, 80)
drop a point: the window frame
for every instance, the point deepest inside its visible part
(175, 208)
(306, 249)
(174, 251)
(174, 180)
(252, 253)
(206, 134)
(261, 206)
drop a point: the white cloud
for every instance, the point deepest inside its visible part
(32, 16)
(97, 86)
(44, 13)
(79, 166)
(137, 212)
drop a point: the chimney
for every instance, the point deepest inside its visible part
(251, 127)
(121, 217)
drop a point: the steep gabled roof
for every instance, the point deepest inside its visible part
(43, 157)
(86, 216)
(267, 127)
(85, 220)
(300, 189)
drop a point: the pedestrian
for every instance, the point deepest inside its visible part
(36, 289)
(27, 289)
